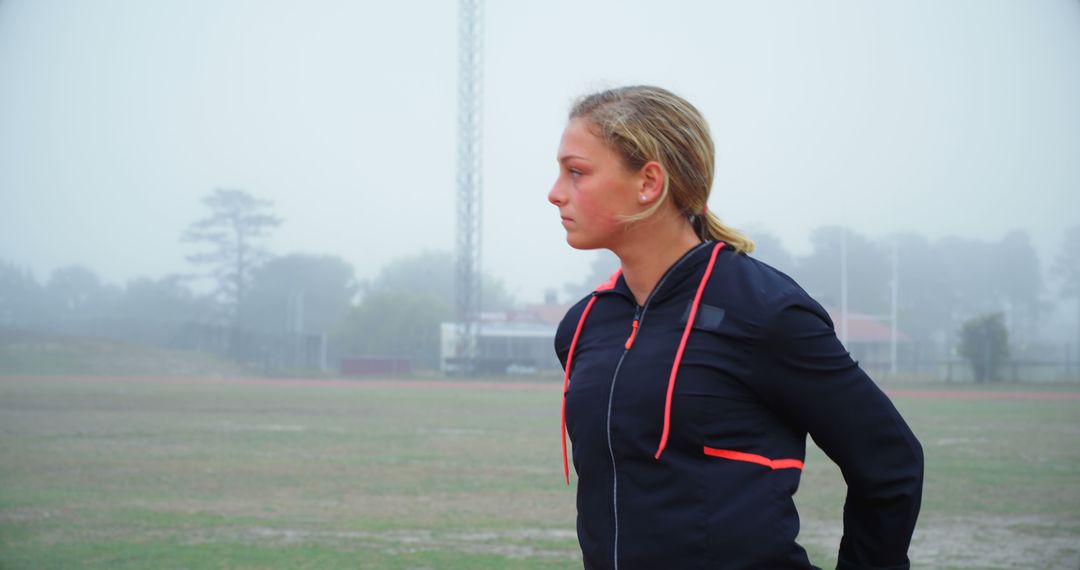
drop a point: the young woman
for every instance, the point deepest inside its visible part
(695, 373)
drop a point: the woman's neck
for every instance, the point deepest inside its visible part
(650, 248)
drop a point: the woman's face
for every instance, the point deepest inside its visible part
(594, 190)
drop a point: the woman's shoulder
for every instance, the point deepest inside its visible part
(750, 280)
(758, 292)
(574, 312)
(565, 329)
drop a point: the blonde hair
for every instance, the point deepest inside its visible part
(643, 123)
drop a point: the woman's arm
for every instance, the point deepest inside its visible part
(808, 376)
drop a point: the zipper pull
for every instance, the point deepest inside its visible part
(633, 329)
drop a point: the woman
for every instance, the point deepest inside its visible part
(695, 373)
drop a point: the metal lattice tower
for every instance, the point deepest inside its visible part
(470, 83)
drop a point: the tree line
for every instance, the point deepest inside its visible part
(261, 306)
(956, 297)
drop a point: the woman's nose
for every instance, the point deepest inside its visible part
(556, 196)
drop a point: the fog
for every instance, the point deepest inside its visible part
(322, 409)
(116, 117)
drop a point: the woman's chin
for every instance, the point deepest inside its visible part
(577, 243)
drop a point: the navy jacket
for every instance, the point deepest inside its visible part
(762, 368)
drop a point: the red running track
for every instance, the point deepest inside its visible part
(947, 394)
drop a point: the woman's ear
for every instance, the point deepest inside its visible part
(652, 182)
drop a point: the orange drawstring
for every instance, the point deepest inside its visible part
(609, 284)
(633, 333)
(682, 347)
(566, 385)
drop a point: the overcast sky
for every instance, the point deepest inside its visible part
(116, 117)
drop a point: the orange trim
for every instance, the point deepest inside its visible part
(611, 281)
(787, 464)
(682, 346)
(751, 458)
(566, 385)
(633, 334)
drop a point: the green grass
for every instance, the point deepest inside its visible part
(36, 353)
(122, 474)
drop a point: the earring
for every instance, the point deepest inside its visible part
(641, 197)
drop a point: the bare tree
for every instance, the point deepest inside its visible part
(233, 230)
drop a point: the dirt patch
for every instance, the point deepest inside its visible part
(986, 395)
(30, 514)
(510, 543)
(1004, 542)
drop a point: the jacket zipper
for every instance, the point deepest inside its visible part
(639, 318)
(611, 448)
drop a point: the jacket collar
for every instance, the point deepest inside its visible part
(682, 269)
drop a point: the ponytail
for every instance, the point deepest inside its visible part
(710, 227)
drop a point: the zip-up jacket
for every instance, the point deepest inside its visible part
(688, 442)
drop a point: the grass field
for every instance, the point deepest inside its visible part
(39, 353)
(129, 473)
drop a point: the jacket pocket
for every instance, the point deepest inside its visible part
(753, 458)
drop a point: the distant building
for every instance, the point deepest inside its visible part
(522, 341)
(515, 342)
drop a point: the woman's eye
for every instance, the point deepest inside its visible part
(575, 173)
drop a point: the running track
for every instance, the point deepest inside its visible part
(941, 394)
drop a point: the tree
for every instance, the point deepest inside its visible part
(1019, 283)
(399, 323)
(984, 341)
(73, 287)
(23, 302)
(163, 312)
(164, 300)
(768, 248)
(1066, 269)
(432, 273)
(868, 267)
(403, 307)
(232, 231)
(300, 293)
(972, 270)
(925, 296)
(80, 302)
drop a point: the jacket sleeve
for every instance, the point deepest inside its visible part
(564, 333)
(810, 378)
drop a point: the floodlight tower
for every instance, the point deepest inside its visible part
(469, 135)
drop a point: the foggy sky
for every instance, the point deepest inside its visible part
(116, 117)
